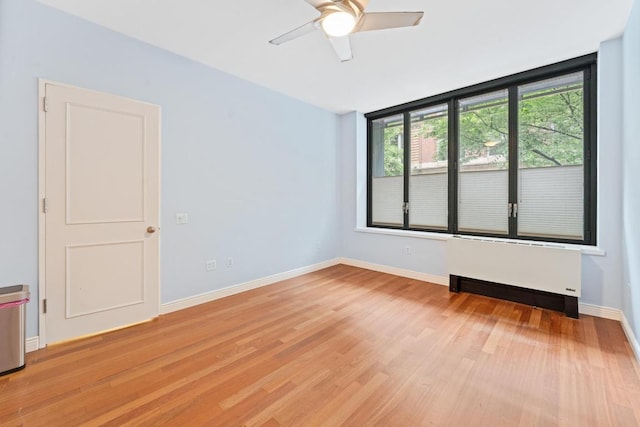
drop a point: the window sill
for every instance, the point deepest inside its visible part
(586, 250)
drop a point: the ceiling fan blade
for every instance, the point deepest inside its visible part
(294, 34)
(317, 3)
(342, 47)
(384, 20)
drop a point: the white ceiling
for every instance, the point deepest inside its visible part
(458, 43)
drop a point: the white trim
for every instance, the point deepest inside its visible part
(404, 233)
(41, 217)
(633, 341)
(587, 309)
(425, 277)
(31, 344)
(599, 311)
(586, 250)
(242, 287)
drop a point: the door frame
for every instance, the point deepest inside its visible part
(42, 185)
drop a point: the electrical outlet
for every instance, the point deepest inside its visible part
(210, 265)
(229, 262)
(182, 218)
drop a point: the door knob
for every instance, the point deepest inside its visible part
(151, 230)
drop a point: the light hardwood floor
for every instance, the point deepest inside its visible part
(341, 346)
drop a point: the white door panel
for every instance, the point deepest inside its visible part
(102, 190)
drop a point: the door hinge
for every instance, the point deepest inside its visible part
(513, 210)
(44, 306)
(44, 205)
(45, 104)
(405, 207)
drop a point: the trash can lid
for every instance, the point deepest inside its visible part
(14, 293)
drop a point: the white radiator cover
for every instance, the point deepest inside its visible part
(542, 267)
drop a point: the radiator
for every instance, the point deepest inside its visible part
(541, 267)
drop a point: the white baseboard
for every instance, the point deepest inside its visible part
(258, 283)
(599, 311)
(32, 344)
(439, 280)
(633, 341)
(588, 309)
(242, 287)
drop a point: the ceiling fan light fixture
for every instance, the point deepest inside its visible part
(338, 23)
(339, 18)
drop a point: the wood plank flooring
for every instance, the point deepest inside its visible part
(341, 346)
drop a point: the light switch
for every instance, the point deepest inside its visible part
(182, 218)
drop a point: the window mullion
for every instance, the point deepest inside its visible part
(586, 153)
(453, 166)
(513, 161)
(590, 153)
(407, 165)
(369, 172)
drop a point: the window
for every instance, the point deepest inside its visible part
(483, 181)
(388, 170)
(551, 158)
(428, 176)
(513, 158)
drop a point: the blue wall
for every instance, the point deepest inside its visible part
(631, 172)
(255, 170)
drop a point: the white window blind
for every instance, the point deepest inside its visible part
(428, 200)
(551, 202)
(387, 199)
(483, 201)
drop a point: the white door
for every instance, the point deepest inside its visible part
(102, 182)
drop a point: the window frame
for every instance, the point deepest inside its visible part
(586, 64)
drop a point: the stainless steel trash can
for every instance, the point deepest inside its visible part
(13, 301)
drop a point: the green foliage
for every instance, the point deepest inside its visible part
(484, 132)
(393, 155)
(393, 165)
(550, 132)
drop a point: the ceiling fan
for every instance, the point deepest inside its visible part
(339, 18)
